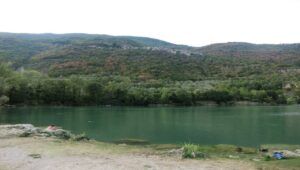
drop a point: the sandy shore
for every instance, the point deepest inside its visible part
(18, 153)
(44, 153)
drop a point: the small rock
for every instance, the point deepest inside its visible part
(17, 130)
(193, 155)
(147, 166)
(35, 156)
(26, 130)
(25, 134)
(176, 151)
(256, 159)
(60, 133)
(233, 157)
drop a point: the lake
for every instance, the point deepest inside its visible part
(238, 125)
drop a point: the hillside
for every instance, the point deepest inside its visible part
(84, 69)
(145, 58)
(282, 53)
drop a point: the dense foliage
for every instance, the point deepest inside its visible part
(32, 87)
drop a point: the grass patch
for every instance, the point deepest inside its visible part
(270, 163)
(290, 164)
(220, 151)
(261, 160)
(193, 151)
(280, 147)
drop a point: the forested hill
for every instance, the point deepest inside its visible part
(143, 58)
(84, 69)
(256, 51)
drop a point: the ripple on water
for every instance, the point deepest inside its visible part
(287, 114)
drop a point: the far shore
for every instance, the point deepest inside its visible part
(199, 104)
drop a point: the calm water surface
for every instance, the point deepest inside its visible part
(246, 126)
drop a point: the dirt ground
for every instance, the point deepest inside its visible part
(35, 153)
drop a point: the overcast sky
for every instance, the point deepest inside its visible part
(191, 22)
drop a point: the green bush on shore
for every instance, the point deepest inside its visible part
(193, 151)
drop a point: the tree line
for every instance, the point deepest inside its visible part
(33, 88)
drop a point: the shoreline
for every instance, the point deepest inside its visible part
(239, 103)
(44, 152)
(36, 152)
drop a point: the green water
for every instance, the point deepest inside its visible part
(246, 126)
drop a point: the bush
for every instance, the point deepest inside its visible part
(3, 100)
(218, 96)
(267, 158)
(192, 151)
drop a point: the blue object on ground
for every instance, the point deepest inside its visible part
(278, 155)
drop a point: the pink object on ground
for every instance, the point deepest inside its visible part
(51, 128)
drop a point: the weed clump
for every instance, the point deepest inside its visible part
(193, 151)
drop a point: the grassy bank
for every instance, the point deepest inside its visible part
(262, 160)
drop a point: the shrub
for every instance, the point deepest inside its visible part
(267, 158)
(192, 151)
(3, 100)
